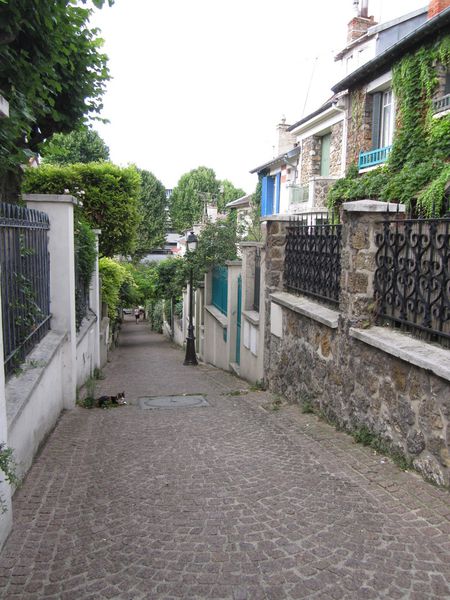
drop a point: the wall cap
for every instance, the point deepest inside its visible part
(52, 198)
(233, 263)
(19, 389)
(410, 349)
(308, 308)
(375, 206)
(215, 312)
(252, 316)
(254, 244)
(268, 218)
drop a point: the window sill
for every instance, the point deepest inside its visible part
(407, 348)
(308, 308)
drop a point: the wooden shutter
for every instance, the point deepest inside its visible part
(376, 119)
(325, 155)
(267, 196)
(277, 192)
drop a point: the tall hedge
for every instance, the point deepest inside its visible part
(109, 195)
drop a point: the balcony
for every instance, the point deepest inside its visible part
(441, 104)
(373, 158)
(298, 194)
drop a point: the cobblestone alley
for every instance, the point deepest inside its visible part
(225, 500)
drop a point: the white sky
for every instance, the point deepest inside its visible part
(205, 82)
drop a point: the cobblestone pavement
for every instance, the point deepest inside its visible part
(230, 500)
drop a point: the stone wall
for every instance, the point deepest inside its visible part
(354, 373)
(337, 131)
(359, 125)
(310, 161)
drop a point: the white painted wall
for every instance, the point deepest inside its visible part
(88, 358)
(252, 323)
(5, 490)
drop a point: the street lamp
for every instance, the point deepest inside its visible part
(191, 358)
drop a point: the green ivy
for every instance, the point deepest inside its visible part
(7, 467)
(418, 165)
(85, 255)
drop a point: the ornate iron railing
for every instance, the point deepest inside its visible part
(312, 264)
(412, 280)
(220, 288)
(257, 283)
(25, 281)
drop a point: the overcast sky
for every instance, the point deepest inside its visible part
(205, 82)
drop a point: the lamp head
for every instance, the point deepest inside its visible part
(191, 242)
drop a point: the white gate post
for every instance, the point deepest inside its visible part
(59, 209)
(5, 488)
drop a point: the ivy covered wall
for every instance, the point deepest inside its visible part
(418, 167)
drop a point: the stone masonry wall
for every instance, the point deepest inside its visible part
(336, 149)
(359, 126)
(310, 164)
(352, 383)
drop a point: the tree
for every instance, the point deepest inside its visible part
(152, 210)
(109, 195)
(80, 146)
(228, 194)
(53, 74)
(187, 202)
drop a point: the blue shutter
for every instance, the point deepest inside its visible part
(267, 196)
(277, 193)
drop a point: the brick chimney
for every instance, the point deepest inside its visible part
(286, 139)
(358, 26)
(437, 6)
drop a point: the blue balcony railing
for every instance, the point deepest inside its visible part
(441, 104)
(373, 158)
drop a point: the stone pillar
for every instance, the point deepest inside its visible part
(62, 278)
(273, 275)
(234, 268)
(361, 221)
(94, 303)
(5, 488)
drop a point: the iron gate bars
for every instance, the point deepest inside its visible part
(312, 263)
(412, 279)
(25, 281)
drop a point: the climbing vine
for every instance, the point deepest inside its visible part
(418, 167)
(7, 469)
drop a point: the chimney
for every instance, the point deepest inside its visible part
(286, 140)
(358, 26)
(437, 6)
(360, 23)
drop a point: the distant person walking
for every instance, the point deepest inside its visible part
(137, 314)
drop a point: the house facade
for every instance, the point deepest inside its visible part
(371, 104)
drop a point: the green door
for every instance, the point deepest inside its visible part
(325, 155)
(238, 321)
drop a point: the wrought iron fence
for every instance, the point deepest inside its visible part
(412, 279)
(257, 284)
(25, 281)
(220, 288)
(312, 264)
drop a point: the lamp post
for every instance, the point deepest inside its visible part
(191, 357)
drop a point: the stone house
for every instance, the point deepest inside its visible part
(315, 151)
(371, 115)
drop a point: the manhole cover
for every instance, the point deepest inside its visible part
(165, 402)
